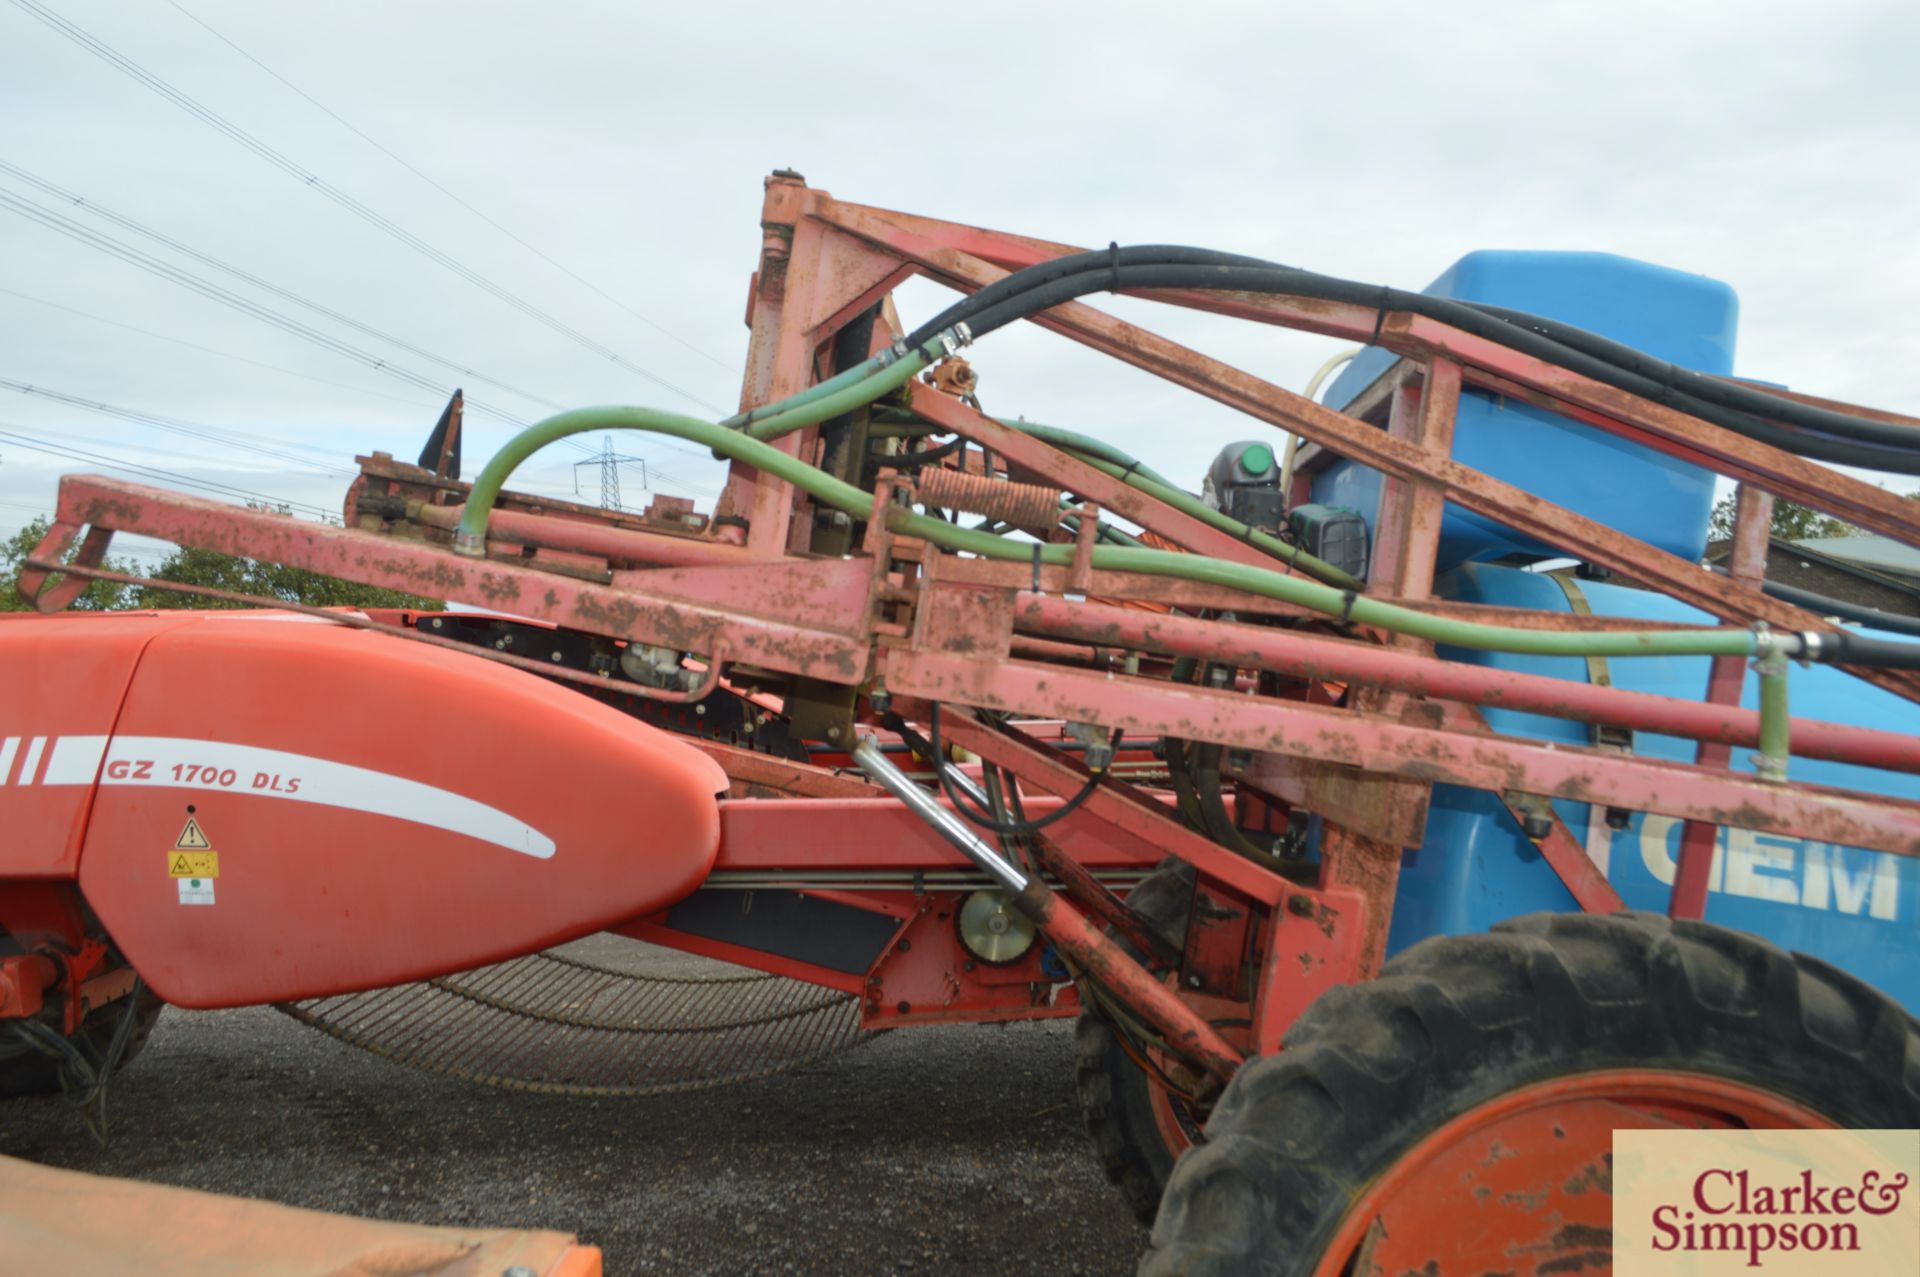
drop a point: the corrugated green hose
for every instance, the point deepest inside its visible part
(1188, 504)
(1345, 605)
(810, 408)
(839, 381)
(1088, 446)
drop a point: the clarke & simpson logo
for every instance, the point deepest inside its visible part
(1784, 1203)
(1728, 1212)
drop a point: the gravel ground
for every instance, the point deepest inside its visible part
(931, 1151)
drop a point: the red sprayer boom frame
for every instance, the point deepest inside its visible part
(850, 624)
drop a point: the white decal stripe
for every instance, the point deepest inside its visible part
(7, 748)
(30, 763)
(321, 781)
(75, 760)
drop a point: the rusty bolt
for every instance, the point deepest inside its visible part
(1299, 906)
(903, 1006)
(906, 946)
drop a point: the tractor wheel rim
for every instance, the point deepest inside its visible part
(1608, 1099)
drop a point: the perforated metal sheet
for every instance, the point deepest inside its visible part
(603, 1016)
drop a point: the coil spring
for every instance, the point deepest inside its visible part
(1025, 505)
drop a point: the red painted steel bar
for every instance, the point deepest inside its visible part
(1493, 763)
(1590, 888)
(1471, 489)
(1092, 895)
(618, 545)
(1422, 337)
(771, 834)
(1088, 948)
(1752, 528)
(1077, 476)
(1719, 449)
(1120, 805)
(1195, 596)
(1305, 656)
(796, 638)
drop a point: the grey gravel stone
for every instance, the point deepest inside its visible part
(928, 1151)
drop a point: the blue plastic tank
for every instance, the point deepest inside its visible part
(1686, 319)
(1858, 909)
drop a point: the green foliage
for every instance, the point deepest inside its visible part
(187, 566)
(100, 596)
(1790, 522)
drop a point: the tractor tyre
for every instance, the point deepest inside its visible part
(1501, 1064)
(1136, 1131)
(26, 1071)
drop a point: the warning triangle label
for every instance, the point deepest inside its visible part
(192, 838)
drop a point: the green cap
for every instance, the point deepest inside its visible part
(1257, 459)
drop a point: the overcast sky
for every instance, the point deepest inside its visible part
(1773, 146)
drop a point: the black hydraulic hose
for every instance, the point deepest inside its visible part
(985, 819)
(930, 750)
(1072, 264)
(926, 456)
(1859, 649)
(1829, 435)
(1817, 441)
(1859, 613)
(1712, 389)
(1180, 773)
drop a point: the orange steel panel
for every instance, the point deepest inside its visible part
(291, 809)
(59, 1221)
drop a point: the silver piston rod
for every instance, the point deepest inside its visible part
(1081, 943)
(946, 822)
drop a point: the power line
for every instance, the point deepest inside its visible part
(36, 444)
(370, 141)
(224, 354)
(265, 285)
(315, 182)
(60, 222)
(206, 288)
(173, 425)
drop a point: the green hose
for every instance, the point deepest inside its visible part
(824, 488)
(1346, 605)
(1771, 762)
(810, 408)
(1188, 504)
(819, 390)
(1087, 446)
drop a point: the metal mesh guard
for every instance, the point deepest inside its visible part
(601, 1016)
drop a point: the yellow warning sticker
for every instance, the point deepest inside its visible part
(192, 838)
(193, 864)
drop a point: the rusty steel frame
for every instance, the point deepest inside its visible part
(895, 616)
